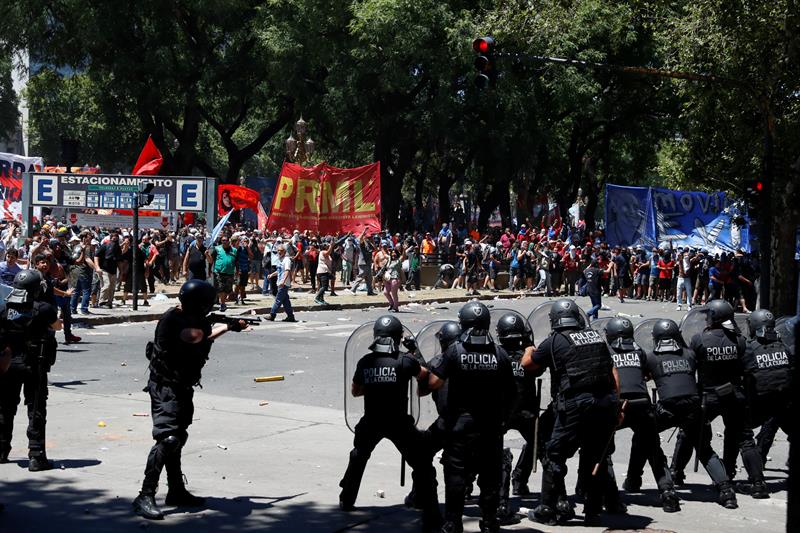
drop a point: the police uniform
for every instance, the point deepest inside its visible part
(719, 353)
(479, 398)
(25, 329)
(631, 364)
(673, 367)
(767, 366)
(515, 337)
(175, 369)
(383, 375)
(586, 411)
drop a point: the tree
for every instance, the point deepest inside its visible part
(8, 99)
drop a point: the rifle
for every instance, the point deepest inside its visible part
(536, 423)
(230, 320)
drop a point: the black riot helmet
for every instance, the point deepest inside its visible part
(719, 312)
(197, 297)
(27, 287)
(448, 334)
(512, 330)
(619, 333)
(761, 325)
(666, 336)
(474, 315)
(388, 331)
(565, 314)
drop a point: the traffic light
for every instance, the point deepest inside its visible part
(753, 196)
(145, 194)
(484, 63)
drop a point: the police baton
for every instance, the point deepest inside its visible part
(536, 424)
(602, 459)
(700, 433)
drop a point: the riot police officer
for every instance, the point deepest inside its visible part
(479, 398)
(180, 349)
(27, 330)
(448, 333)
(719, 350)
(631, 364)
(672, 366)
(515, 336)
(768, 378)
(382, 377)
(586, 407)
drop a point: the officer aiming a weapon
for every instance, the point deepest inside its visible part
(480, 395)
(672, 366)
(631, 364)
(382, 378)
(587, 410)
(27, 338)
(768, 367)
(180, 349)
(720, 351)
(515, 336)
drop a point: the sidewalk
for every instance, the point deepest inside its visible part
(302, 300)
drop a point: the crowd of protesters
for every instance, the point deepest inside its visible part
(91, 267)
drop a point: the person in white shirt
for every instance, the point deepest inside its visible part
(283, 275)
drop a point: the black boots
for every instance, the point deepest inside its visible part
(727, 496)
(180, 497)
(39, 463)
(759, 490)
(632, 484)
(145, 506)
(669, 502)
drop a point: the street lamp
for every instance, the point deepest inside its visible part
(299, 150)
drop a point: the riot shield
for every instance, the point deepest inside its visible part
(539, 320)
(693, 322)
(740, 319)
(429, 347)
(643, 334)
(600, 324)
(357, 346)
(499, 312)
(785, 326)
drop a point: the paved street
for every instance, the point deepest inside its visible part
(269, 455)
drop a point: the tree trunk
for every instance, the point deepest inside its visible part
(445, 184)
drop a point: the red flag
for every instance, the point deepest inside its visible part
(150, 160)
(262, 218)
(236, 197)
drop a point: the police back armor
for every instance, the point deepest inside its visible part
(719, 354)
(173, 361)
(673, 373)
(630, 365)
(767, 367)
(586, 365)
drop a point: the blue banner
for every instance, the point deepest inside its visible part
(266, 189)
(218, 228)
(629, 220)
(648, 215)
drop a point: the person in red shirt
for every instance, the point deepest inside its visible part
(571, 272)
(605, 279)
(665, 267)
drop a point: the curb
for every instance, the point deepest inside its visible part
(148, 317)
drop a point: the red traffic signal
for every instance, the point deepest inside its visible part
(759, 186)
(483, 45)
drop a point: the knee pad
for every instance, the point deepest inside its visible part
(170, 444)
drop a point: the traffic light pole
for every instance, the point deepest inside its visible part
(134, 261)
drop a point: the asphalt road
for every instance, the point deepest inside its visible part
(110, 366)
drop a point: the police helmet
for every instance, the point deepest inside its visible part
(619, 333)
(474, 315)
(387, 331)
(761, 324)
(448, 334)
(26, 287)
(719, 312)
(564, 313)
(511, 328)
(666, 336)
(197, 297)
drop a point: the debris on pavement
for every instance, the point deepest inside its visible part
(222, 447)
(101, 424)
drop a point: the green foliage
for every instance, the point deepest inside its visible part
(8, 99)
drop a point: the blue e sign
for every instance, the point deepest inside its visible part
(45, 190)
(190, 196)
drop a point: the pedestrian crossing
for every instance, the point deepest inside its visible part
(312, 327)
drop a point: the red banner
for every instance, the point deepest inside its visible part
(150, 160)
(327, 199)
(236, 197)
